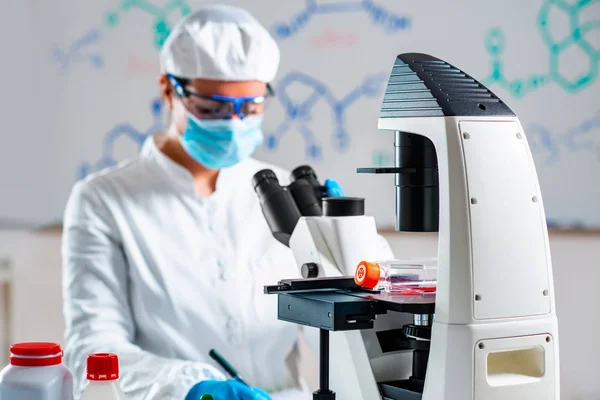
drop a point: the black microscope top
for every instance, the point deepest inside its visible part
(421, 85)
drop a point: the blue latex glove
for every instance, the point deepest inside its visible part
(226, 390)
(333, 188)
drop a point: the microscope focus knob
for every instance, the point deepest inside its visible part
(310, 270)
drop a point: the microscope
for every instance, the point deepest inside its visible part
(463, 168)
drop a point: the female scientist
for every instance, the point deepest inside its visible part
(165, 256)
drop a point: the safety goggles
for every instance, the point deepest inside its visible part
(220, 107)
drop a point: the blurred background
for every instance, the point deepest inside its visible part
(81, 94)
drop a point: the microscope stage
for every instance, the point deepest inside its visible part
(347, 310)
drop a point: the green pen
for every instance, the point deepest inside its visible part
(226, 366)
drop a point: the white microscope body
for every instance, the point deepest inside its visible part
(495, 333)
(333, 245)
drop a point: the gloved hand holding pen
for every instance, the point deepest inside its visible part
(226, 390)
(236, 389)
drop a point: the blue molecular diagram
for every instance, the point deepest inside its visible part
(78, 52)
(577, 41)
(298, 113)
(582, 138)
(120, 131)
(543, 143)
(390, 21)
(161, 28)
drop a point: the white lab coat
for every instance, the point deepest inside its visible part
(160, 275)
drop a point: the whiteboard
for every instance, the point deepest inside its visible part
(84, 78)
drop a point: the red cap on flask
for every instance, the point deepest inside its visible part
(102, 367)
(367, 274)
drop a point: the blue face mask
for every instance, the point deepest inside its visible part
(221, 143)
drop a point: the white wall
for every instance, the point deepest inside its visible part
(36, 307)
(37, 314)
(339, 54)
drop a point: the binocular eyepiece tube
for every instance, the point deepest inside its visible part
(306, 191)
(278, 205)
(283, 206)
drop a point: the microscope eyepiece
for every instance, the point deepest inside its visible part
(263, 175)
(307, 190)
(303, 171)
(304, 195)
(278, 206)
(306, 173)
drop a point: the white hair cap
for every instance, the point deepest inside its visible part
(221, 43)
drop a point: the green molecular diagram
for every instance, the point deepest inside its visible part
(576, 41)
(160, 14)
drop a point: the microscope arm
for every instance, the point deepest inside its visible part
(333, 246)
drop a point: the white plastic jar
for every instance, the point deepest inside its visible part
(36, 372)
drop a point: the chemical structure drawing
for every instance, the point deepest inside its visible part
(160, 13)
(78, 52)
(128, 132)
(544, 144)
(582, 138)
(390, 21)
(576, 44)
(299, 113)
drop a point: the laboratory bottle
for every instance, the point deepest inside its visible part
(102, 374)
(36, 372)
(398, 276)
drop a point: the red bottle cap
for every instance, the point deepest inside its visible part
(35, 354)
(102, 367)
